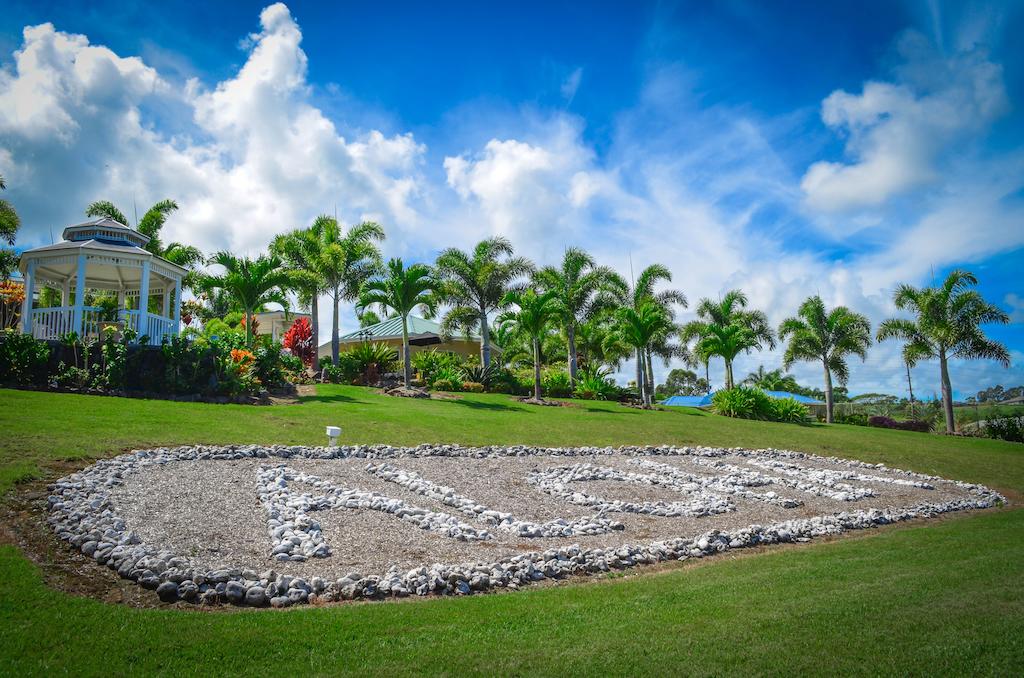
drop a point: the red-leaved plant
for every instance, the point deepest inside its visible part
(299, 340)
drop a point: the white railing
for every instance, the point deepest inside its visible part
(55, 322)
(157, 327)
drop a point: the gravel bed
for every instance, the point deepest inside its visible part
(287, 525)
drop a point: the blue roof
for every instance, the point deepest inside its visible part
(704, 401)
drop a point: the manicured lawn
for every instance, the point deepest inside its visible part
(931, 598)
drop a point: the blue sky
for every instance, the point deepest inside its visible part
(786, 148)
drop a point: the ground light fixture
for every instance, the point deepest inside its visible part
(333, 432)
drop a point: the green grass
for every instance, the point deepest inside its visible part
(931, 598)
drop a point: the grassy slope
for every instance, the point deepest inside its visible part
(925, 599)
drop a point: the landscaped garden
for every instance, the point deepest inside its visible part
(946, 591)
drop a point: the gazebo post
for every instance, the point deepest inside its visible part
(65, 293)
(26, 305)
(177, 305)
(144, 300)
(76, 322)
(166, 301)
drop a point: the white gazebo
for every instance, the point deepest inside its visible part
(101, 255)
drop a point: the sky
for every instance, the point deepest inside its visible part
(784, 148)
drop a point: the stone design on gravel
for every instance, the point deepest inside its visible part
(136, 514)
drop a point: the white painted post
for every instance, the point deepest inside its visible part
(65, 294)
(120, 303)
(166, 301)
(76, 323)
(176, 328)
(26, 306)
(144, 301)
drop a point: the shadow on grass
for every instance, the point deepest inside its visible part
(478, 405)
(332, 398)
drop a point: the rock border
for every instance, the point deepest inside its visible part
(80, 513)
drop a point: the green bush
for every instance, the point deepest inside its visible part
(428, 363)
(595, 385)
(789, 411)
(23, 360)
(374, 353)
(447, 385)
(1005, 428)
(851, 418)
(479, 374)
(555, 383)
(449, 374)
(472, 387)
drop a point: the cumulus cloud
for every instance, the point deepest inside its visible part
(896, 131)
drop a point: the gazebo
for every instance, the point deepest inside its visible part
(106, 256)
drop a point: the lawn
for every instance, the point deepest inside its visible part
(931, 598)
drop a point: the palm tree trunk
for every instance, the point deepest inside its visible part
(248, 327)
(405, 351)
(910, 387)
(728, 374)
(648, 383)
(335, 299)
(947, 393)
(570, 335)
(485, 341)
(828, 396)
(536, 369)
(707, 375)
(640, 374)
(314, 308)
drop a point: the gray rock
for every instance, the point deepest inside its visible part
(168, 591)
(234, 592)
(256, 597)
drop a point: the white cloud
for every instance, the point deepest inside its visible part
(896, 131)
(571, 85)
(1016, 304)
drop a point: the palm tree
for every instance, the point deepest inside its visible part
(477, 284)
(816, 333)
(771, 380)
(531, 318)
(300, 250)
(584, 289)
(251, 282)
(948, 325)
(724, 328)
(402, 290)
(345, 261)
(643, 290)
(640, 328)
(9, 225)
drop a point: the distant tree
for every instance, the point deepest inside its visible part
(251, 282)
(477, 284)
(947, 324)
(367, 318)
(681, 382)
(773, 380)
(827, 337)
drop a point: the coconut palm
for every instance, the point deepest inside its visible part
(402, 290)
(771, 380)
(725, 328)
(476, 285)
(9, 220)
(532, 316)
(301, 251)
(250, 282)
(641, 328)
(584, 289)
(947, 325)
(345, 261)
(818, 334)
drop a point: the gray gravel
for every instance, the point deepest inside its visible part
(286, 525)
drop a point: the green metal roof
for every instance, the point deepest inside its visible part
(392, 328)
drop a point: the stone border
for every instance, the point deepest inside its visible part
(80, 512)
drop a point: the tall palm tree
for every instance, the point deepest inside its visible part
(402, 290)
(947, 325)
(346, 260)
(476, 284)
(584, 289)
(251, 282)
(816, 333)
(301, 252)
(725, 328)
(532, 316)
(643, 291)
(771, 380)
(640, 328)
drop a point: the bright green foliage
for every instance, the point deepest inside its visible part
(584, 290)
(947, 324)
(402, 290)
(251, 282)
(789, 411)
(817, 334)
(555, 383)
(596, 384)
(476, 284)
(641, 328)
(725, 328)
(532, 316)
(23, 360)
(743, 402)
(430, 363)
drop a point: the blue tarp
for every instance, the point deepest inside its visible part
(704, 401)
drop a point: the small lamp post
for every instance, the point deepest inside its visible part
(333, 432)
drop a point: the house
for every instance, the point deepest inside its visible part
(276, 323)
(423, 335)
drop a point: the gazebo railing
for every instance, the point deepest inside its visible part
(56, 321)
(157, 327)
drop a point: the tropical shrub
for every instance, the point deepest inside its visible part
(1005, 428)
(472, 387)
(909, 425)
(336, 374)
(788, 410)
(851, 418)
(374, 354)
(449, 374)
(23, 360)
(447, 385)
(480, 374)
(299, 340)
(12, 294)
(595, 384)
(69, 376)
(268, 366)
(427, 363)
(555, 383)
(742, 402)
